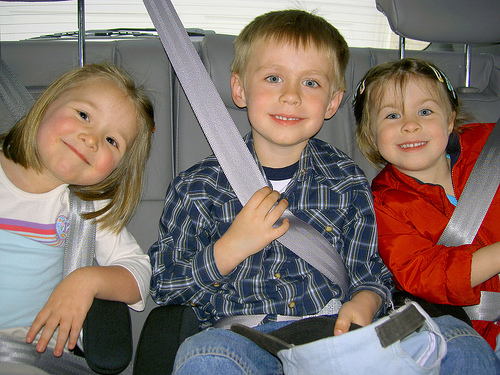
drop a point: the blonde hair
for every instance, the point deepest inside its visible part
(370, 92)
(293, 26)
(123, 187)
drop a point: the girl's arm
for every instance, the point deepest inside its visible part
(436, 273)
(71, 300)
(485, 264)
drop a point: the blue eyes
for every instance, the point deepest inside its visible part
(424, 112)
(274, 79)
(311, 83)
(308, 82)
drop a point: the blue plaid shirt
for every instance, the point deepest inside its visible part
(328, 191)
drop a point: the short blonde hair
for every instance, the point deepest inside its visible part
(123, 187)
(370, 90)
(293, 26)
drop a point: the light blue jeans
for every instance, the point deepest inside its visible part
(221, 352)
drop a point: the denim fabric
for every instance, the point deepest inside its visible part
(497, 348)
(468, 352)
(221, 352)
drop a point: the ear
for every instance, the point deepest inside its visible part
(451, 122)
(238, 90)
(334, 104)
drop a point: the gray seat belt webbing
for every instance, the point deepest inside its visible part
(233, 155)
(23, 359)
(472, 207)
(470, 212)
(16, 97)
(79, 247)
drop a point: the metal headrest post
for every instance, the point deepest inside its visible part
(402, 46)
(467, 66)
(81, 32)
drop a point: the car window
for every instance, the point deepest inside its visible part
(358, 20)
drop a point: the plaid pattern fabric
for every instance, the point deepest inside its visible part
(328, 191)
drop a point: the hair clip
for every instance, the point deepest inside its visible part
(443, 79)
(360, 88)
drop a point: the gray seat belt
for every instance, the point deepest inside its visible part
(227, 144)
(79, 247)
(485, 177)
(16, 97)
(470, 212)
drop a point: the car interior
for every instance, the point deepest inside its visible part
(464, 43)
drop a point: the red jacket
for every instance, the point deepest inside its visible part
(411, 216)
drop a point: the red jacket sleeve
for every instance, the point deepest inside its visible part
(436, 273)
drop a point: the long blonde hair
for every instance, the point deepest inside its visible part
(123, 187)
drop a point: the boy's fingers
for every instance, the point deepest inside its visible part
(270, 200)
(277, 211)
(257, 198)
(281, 230)
(341, 326)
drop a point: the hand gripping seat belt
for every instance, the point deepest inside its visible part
(227, 144)
(470, 212)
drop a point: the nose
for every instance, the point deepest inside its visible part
(290, 95)
(90, 140)
(410, 126)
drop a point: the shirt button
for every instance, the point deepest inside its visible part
(303, 172)
(277, 275)
(329, 229)
(216, 285)
(291, 304)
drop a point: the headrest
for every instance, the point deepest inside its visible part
(217, 54)
(444, 21)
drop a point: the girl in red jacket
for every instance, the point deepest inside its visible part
(410, 123)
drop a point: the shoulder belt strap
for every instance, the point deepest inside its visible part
(79, 247)
(472, 207)
(470, 212)
(16, 97)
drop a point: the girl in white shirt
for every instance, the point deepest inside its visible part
(89, 133)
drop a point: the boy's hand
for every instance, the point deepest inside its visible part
(360, 310)
(66, 308)
(252, 230)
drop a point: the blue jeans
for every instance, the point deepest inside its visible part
(220, 352)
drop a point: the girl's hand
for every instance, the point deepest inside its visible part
(252, 230)
(66, 308)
